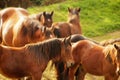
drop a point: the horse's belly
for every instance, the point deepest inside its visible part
(12, 74)
(93, 65)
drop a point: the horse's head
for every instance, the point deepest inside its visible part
(118, 58)
(74, 12)
(113, 56)
(34, 30)
(46, 19)
(48, 32)
(66, 50)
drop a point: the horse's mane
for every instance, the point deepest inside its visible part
(105, 43)
(110, 53)
(48, 49)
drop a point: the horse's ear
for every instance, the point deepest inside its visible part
(69, 9)
(44, 13)
(52, 13)
(67, 41)
(78, 9)
(116, 46)
(109, 58)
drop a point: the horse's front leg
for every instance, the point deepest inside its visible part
(80, 73)
(37, 76)
(72, 71)
(111, 77)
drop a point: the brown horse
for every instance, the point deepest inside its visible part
(18, 29)
(44, 18)
(111, 41)
(32, 59)
(95, 59)
(62, 70)
(72, 26)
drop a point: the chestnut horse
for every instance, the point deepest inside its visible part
(72, 26)
(62, 70)
(111, 41)
(18, 29)
(45, 18)
(32, 59)
(95, 59)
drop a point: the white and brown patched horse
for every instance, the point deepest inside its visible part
(17, 29)
(72, 26)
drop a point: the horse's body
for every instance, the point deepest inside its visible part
(44, 18)
(95, 59)
(18, 29)
(62, 70)
(72, 26)
(32, 59)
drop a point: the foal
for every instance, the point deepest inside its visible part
(95, 59)
(72, 26)
(32, 59)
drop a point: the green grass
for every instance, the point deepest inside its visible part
(97, 17)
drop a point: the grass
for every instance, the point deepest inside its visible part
(97, 17)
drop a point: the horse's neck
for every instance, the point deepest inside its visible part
(75, 28)
(74, 21)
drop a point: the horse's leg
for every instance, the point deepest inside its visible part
(80, 74)
(37, 76)
(72, 71)
(111, 77)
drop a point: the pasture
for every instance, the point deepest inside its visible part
(100, 20)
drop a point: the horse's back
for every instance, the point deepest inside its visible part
(12, 18)
(9, 12)
(62, 29)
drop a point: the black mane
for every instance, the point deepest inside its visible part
(48, 49)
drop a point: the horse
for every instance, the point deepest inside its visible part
(61, 68)
(32, 59)
(18, 29)
(111, 41)
(95, 59)
(44, 18)
(72, 26)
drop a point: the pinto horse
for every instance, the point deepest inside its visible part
(32, 59)
(45, 18)
(18, 29)
(72, 26)
(95, 59)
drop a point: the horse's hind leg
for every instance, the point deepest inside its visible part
(111, 77)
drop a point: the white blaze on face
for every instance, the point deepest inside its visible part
(118, 69)
(0, 20)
